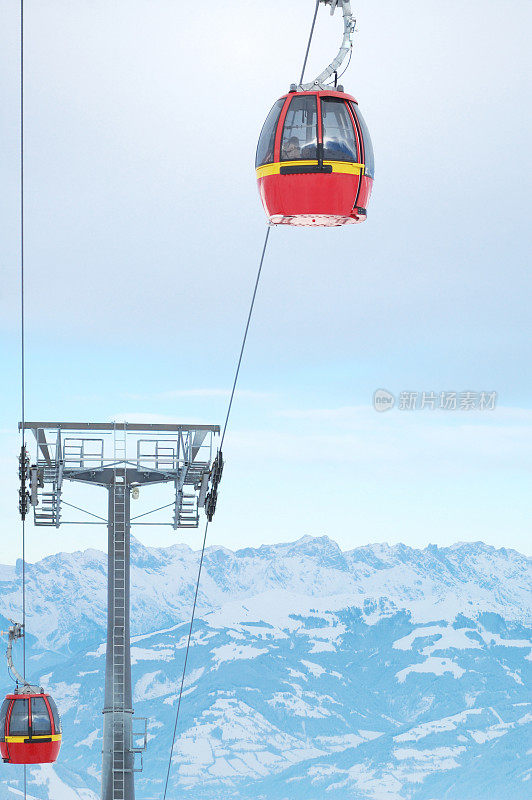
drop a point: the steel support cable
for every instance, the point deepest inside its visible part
(229, 407)
(309, 41)
(183, 675)
(22, 342)
(22, 332)
(245, 337)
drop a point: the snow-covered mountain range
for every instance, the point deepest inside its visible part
(382, 673)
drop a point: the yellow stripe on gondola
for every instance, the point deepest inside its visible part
(21, 739)
(347, 167)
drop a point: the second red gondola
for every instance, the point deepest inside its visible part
(30, 729)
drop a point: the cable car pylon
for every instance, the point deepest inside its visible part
(314, 161)
(121, 458)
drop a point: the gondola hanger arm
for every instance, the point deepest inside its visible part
(345, 48)
(16, 631)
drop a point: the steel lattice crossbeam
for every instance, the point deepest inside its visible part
(86, 452)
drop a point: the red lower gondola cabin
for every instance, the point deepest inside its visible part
(315, 160)
(30, 729)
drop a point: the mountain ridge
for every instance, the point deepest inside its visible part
(399, 547)
(163, 582)
(379, 673)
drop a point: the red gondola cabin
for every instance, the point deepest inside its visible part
(30, 729)
(315, 160)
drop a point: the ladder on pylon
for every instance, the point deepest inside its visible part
(186, 513)
(48, 508)
(119, 608)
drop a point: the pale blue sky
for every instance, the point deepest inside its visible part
(144, 229)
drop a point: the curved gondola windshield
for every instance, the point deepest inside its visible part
(300, 130)
(266, 143)
(55, 714)
(3, 715)
(19, 720)
(369, 156)
(339, 142)
(41, 724)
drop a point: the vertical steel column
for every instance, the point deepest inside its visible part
(118, 758)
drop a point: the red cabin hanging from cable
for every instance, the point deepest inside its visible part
(30, 729)
(30, 726)
(314, 161)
